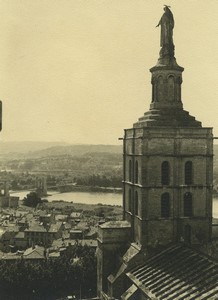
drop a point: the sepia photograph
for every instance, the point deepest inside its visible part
(108, 150)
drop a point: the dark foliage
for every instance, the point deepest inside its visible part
(72, 273)
(32, 199)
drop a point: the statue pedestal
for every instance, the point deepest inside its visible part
(167, 61)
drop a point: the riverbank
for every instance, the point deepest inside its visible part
(76, 188)
(86, 188)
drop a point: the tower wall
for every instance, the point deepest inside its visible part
(148, 148)
(113, 238)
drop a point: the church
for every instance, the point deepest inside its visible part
(156, 251)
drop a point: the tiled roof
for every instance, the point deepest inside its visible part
(61, 217)
(29, 217)
(12, 228)
(55, 227)
(54, 254)
(35, 228)
(22, 221)
(59, 243)
(20, 213)
(130, 292)
(82, 225)
(177, 273)
(89, 243)
(36, 253)
(67, 225)
(20, 235)
(75, 215)
(2, 231)
(116, 224)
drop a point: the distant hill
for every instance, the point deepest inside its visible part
(13, 150)
(77, 150)
(26, 146)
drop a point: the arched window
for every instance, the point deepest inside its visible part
(171, 88)
(136, 171)
(136, 203)
(188, 172)
(130, 201)
(178, 88)
(188, 205)
(160, 89)
(165, 205)
(165, 173)
(130, 170)
(153, 89)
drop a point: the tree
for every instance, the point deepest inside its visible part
(32, 199)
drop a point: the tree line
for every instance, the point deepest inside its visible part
(101, 181)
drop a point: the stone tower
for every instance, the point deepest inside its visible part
(167, 177)
(168, 161)
(41, 187)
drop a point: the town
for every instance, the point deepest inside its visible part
(51, 225)
(34, 230)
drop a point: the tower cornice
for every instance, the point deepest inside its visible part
(167, 67)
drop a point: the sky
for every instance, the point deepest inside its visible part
(77, 71)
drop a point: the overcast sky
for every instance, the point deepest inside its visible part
(78, 70)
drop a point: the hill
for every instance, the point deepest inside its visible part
(25, 150)
(75, 150)
(26, 146)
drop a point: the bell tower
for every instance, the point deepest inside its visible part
(167, 179)
(168, 161)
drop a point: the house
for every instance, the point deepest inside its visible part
(92, 233)
(19, 240)
(76, 234)
(46, 218)
(22, 224)
(36, 235)
(76, 215)
(7, 235)
(61, 217)
(55, 231)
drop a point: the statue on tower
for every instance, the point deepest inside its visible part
(166, 39)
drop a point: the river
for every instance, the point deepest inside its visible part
(80, 197)
(95, 198)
